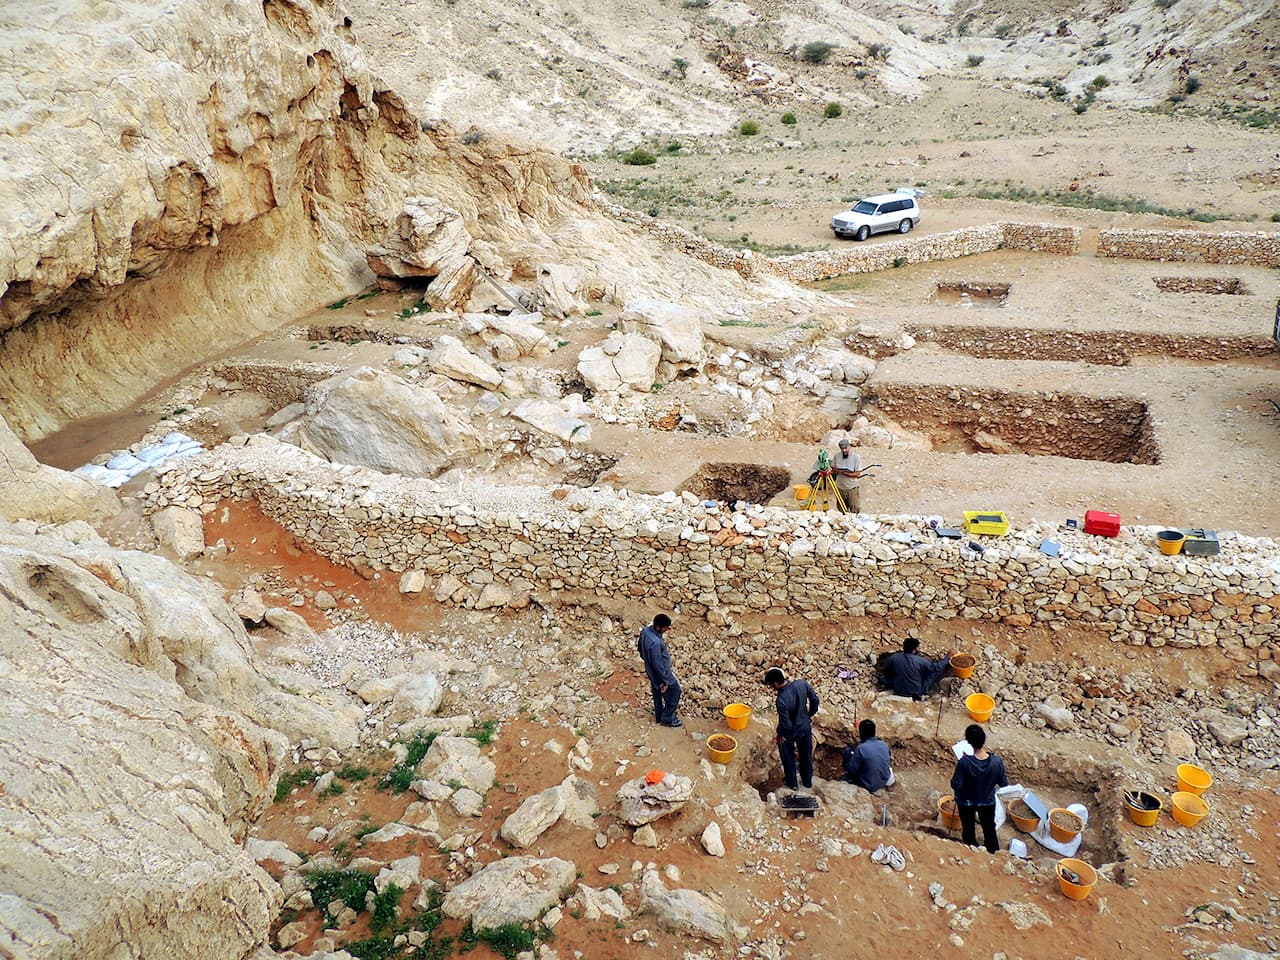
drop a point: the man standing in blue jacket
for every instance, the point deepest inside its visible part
(662, 679)
(797, 703)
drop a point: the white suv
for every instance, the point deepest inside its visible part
(880, 214)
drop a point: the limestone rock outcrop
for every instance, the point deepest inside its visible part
(427, 239)
(641, 802)
(623, 360)
(674, 327)
(376, 419)
(33, 491)
(514, 890)
(134, 750)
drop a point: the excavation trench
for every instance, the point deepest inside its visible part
(985, 420)
(971, 293)
(1111, 347)
(728, 482)
(1231, 286)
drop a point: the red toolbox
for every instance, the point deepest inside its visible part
(1101, 523)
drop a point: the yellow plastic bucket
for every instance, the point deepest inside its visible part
(737, 715)
(1170, 541)
(1087, 875)
(1139, 814)
(963, 665)
(1189, 808)
(1064, 825)
(1193, 779)
(948, 812)
(802, 491)
(980, 706)
(1027, 824)
(716, 746)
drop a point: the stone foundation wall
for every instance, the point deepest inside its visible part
(1257, 249)
(502, 546)
(863, 258)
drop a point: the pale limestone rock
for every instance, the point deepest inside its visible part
(712, 842)
(512, 890)
(416, 695)
(289, 623)
(431, 789)
(645, 836)
(623, 360)
(560, 287)
(458, 758)
(597, 903)
(413, 581)
(551, 418)
(273, 850)
(248, 605)
(991, 443)
(386, 833)
(376, 690)
(845, 801)
(1024, 916)
(685, 911)
(451, 359)
(373, 418)
(291, 933)
(180, 530)
(30, 490)
(504, 348)
(448, 588)
(580, 802)
(451, 290)
(640, 802)
(534, 817)
(423, 816)
(404, 873)
(675, 328)
(1055, 712)
(531, 340)
(426, 238)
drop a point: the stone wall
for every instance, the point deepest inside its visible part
(1257, 249)
(498, 546)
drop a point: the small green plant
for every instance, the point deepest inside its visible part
(338, 304)
(639, 157)
(508, 939)
(657, 388)
(593, 313)
(372, 948)
(355, 774)
(748, 128)
(294, 778)
(1275, 217)
(675, 146)
(1192, 85)
(385, 907)
(484, 734)
(696, 4)
(1165, 4)
(860, 74)
(349, 886)
(493, 73)
(414, 309)
(1003, 30)
(368, 294)
(403, 774)
(832, 110)
(364, 831)
(681, 66)
(789, 119)
(334, 789)
(1099, 82)
(817, 51)
(879, 51)
(973, 60)
(178, 412)
(899, 261)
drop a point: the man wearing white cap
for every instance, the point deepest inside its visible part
(846, 466)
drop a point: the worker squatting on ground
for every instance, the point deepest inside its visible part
(657, 664)
(797, 703)
(868, 764)
(912, 675)
(846, 467)
(974, 786)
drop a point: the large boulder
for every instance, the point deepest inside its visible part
(623, 360)
(30, 490)
(130, 756)
(685, 911)
(427, 237)
(641, 802)
(534, 817)
(375, 419)
(552, 419)
(560, 288)
(676, 328)
(513, 890)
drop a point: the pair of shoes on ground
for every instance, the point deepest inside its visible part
(677, 722)
(890, 856)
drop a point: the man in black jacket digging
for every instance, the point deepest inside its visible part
(797, 703)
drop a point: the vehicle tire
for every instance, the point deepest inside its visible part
(906, 225)
(863, 233)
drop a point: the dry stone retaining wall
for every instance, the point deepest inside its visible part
(494, 546)
(1257, 249)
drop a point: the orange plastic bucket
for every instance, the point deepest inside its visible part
(1025, 821)
(963, 665)
(737, 715)
(1064, 825)
(980, 706)
(1193, 779)
(948, 812)
(1143, 815)
(721, 746)
(1189, 808)
(1085, 875)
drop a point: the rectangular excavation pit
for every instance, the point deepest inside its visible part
(971, 293)
(728, 482)
(350, 333)
(1037, 424)
(1231, 286)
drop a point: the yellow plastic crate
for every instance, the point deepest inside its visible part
(989, 523)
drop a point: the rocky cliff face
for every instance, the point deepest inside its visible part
(131, 756)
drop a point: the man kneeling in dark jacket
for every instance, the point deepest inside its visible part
(868, 764)
(910, 674)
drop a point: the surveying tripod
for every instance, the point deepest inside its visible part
(823, 488)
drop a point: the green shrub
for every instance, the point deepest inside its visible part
(639, 157)
(832, 110)
(403, 774)
(484, 733)
(789, 119)
(817, 51)
(973, 60)
(1275, 217)
(334, 789)
(675, 146)
(508, 939)
(748, 128)
(1099, 82)
(385, 907)
(355, 774)
(294, 778)
(373, 948)
(349, 886)
(696, 4)
(682, 66)
(1192, 85)
(879, 51)
(1003, 30)
(493, 74)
